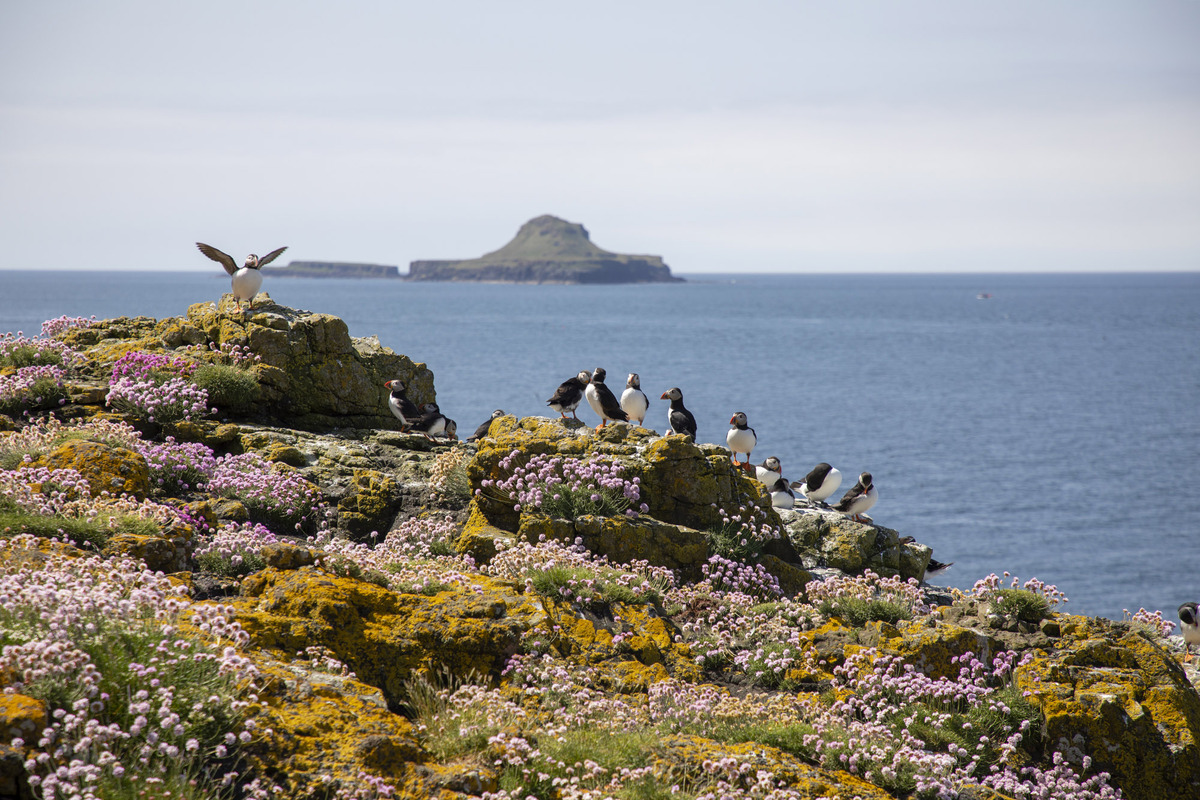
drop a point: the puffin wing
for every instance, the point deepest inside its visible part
(849, 497)
(271, 256)
(481, 431)
(683, 422)
(608, 403)
(224, 259)
(567, 392)
(816, 477)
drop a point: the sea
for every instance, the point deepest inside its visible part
(1043, 425)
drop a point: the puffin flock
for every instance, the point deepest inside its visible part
(818, 485)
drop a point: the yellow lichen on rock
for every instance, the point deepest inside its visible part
(700, 762)
(107, 468)
(1123, 700)
(384, 636)
(22, 717)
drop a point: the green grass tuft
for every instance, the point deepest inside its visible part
(1021, 604)
(229, 388)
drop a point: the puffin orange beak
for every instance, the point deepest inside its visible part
(664, 396)
(732, 420)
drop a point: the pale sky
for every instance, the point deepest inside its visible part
(783, 136)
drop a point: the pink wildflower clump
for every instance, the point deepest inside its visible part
(726, 575)
(274, 495)
(235, 549)
(32, 388)
(141, 365)
(988, 588)
(18, 350)
(576, 575)
(133, 699)
(1152, 620)
(178, 467)
(53, 328)
(156, 388)
(561, 486)
(47, 492)
(417, 557)
(743, 533)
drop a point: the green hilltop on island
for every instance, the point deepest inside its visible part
(545, 250)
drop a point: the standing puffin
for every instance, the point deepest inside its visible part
(247, 280)
(1189, 616)
(402, 408)
(741, 439)
(483, 429)
(678, 417)
(569, 394)
(822, 481)
(431, 423)
(859, 499)
(633, 400)
(782, 495)
(602, 400)
(768, 472)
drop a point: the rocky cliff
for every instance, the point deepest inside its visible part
(548, 250)
(349, 610)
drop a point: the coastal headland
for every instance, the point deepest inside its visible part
(223, 559)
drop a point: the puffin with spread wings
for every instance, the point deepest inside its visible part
(247, 279)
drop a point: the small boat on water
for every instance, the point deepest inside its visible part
(984, 296)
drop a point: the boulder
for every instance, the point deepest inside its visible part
(1112, 692)
(829, 539)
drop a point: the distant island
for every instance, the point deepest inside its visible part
(548, 250)
(332, 269)
(545, 250)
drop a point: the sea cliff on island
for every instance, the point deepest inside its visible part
(227, 571)
(548, 250)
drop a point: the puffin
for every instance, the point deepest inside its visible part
(451, 430)
(859, 499)
(935, 568)
(782, 495)
(602, 400)
(769, 472)
(822, 481)
(247, 279)
(678, 417)
(1189, 617)
(483, 429)
(741, 439)
(402, 408)
(569, 394)
(633, 401)
(431, 423)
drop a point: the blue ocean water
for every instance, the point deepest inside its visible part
(1051, 431)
